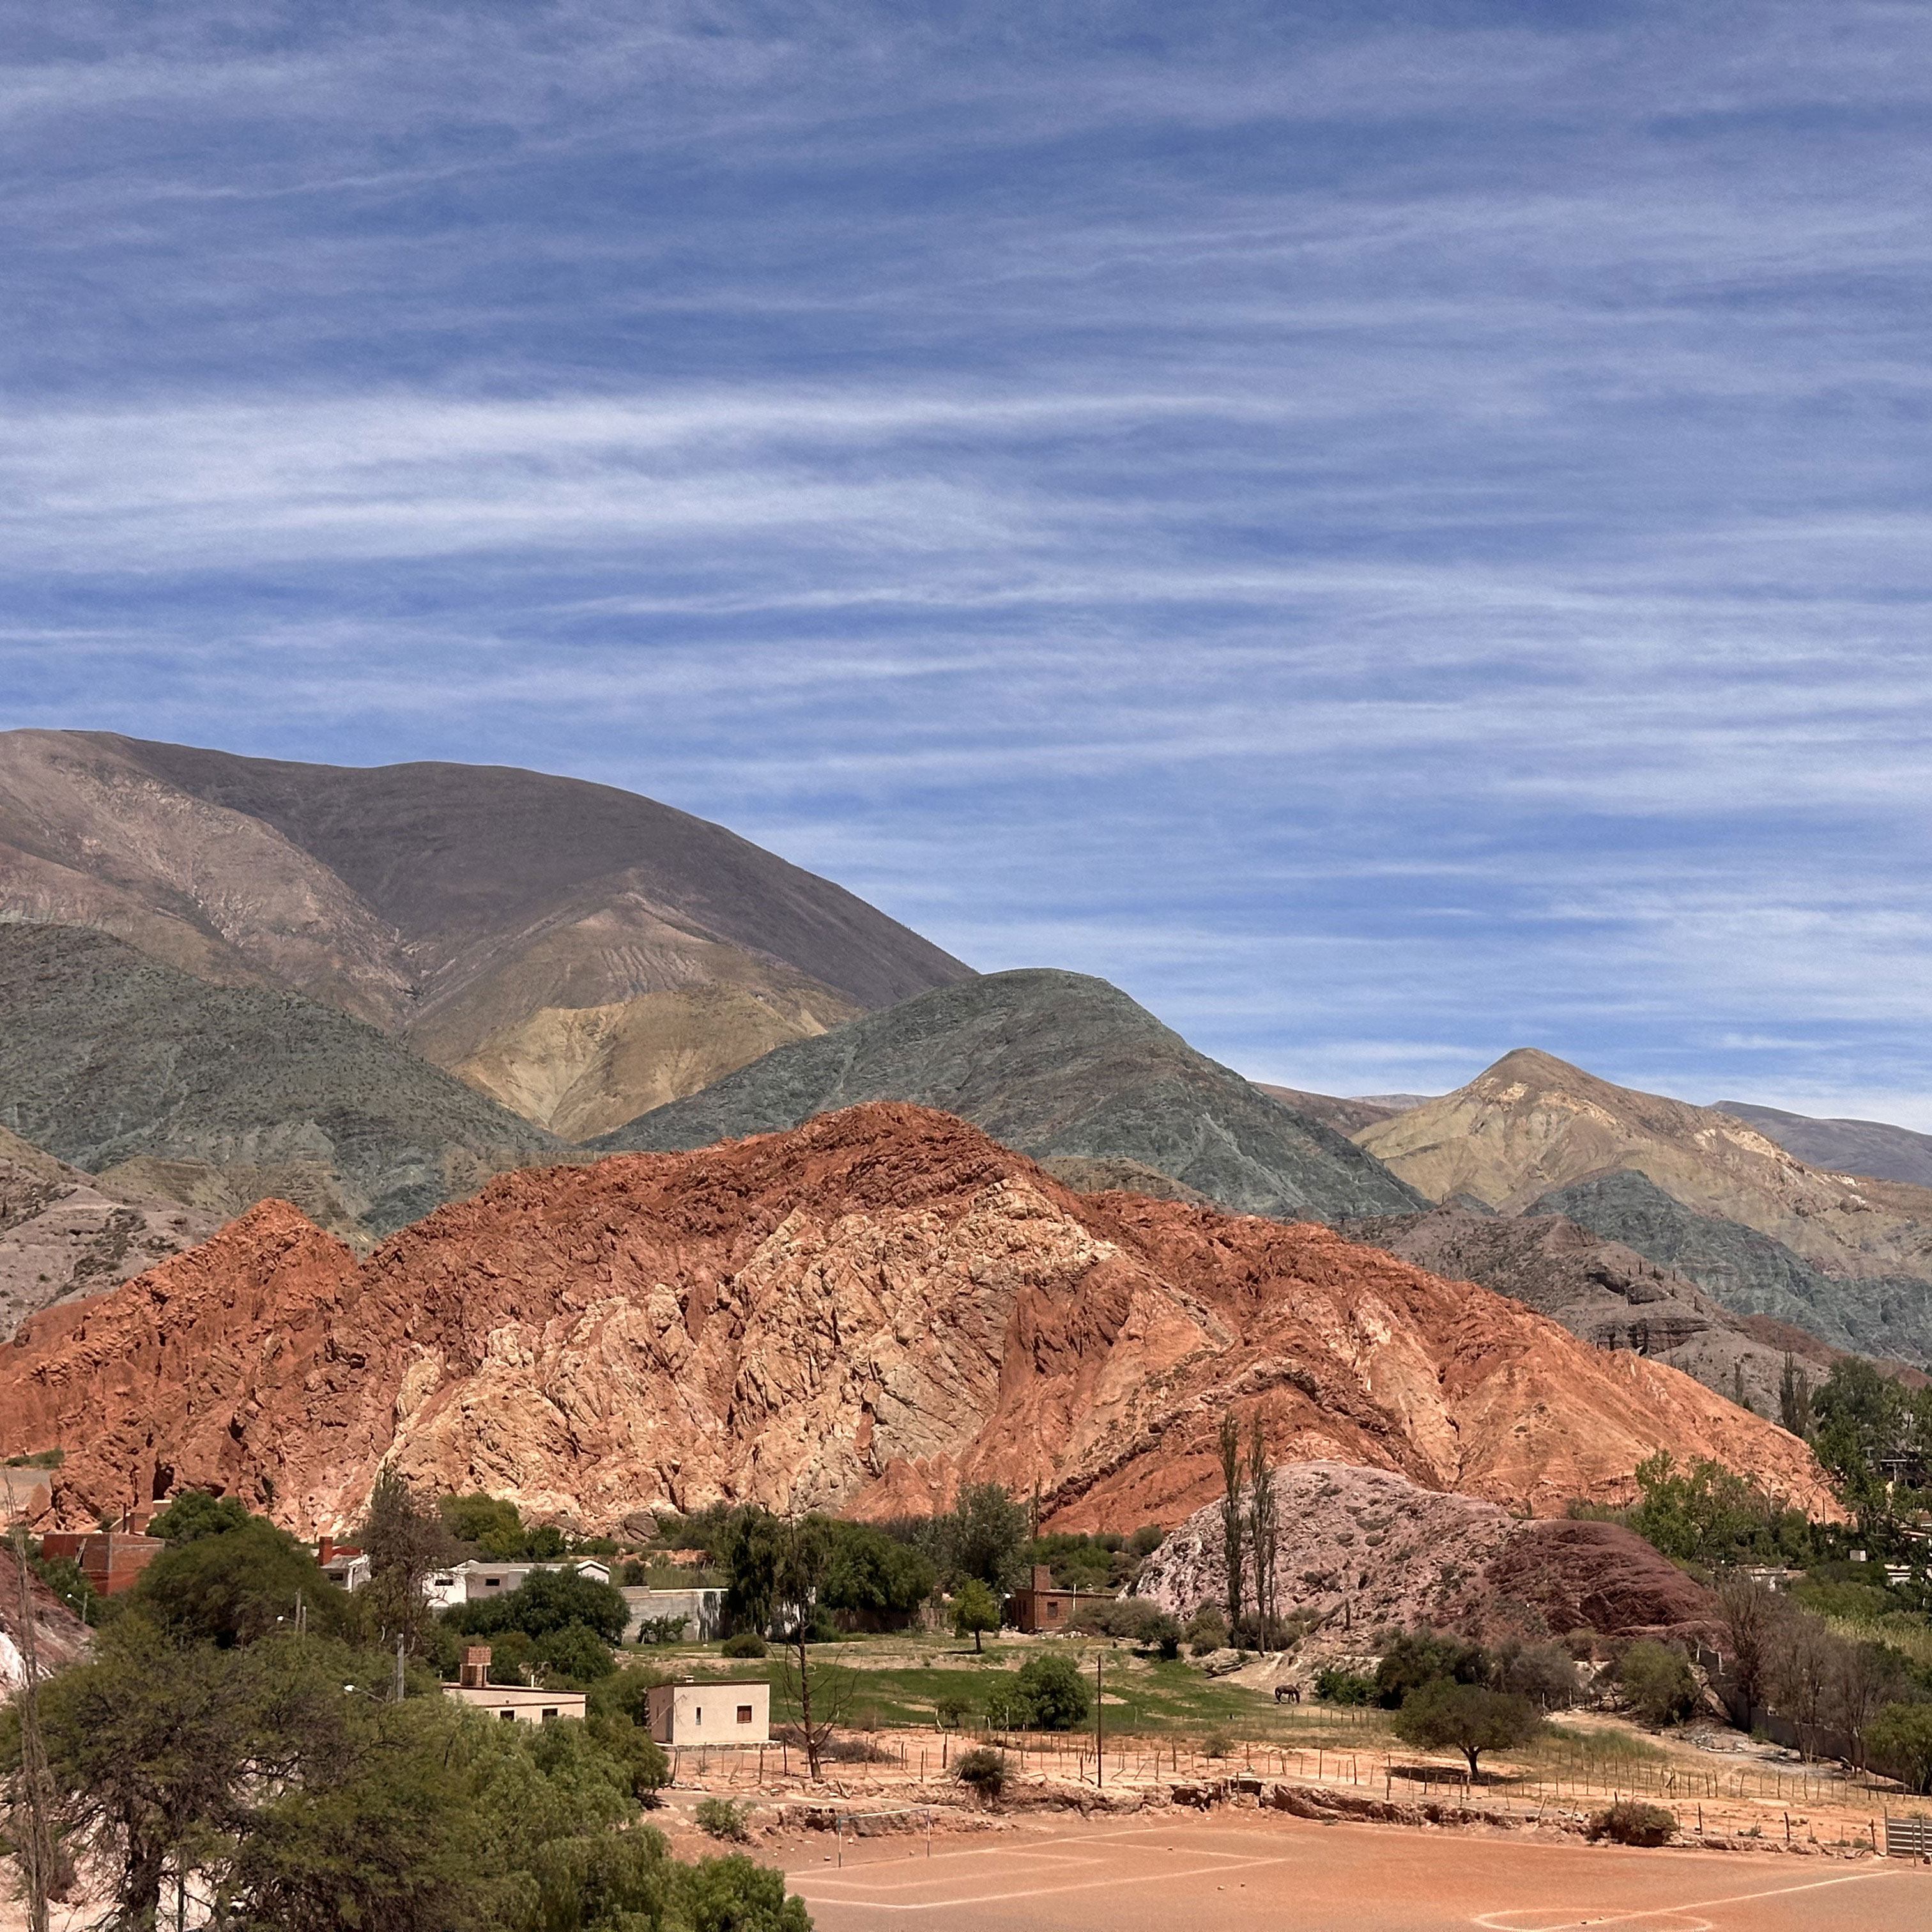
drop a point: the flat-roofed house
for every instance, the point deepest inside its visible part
(718, 1712)
(508, 1703)
(465, 1583)
(1042, 1609)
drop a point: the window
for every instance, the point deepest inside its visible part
(550, 1714)
(697, 1716)
(493, 1582)
(508, 1717)
(744, 1713)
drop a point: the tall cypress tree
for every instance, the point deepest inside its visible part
(1263, 1524)
(1234, 1524)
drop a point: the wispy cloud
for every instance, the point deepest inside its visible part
(1393, 535)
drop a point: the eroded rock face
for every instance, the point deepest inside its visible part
(1363, 1549)
(860, 1314)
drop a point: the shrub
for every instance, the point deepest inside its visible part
(1629, 1822)
(198, 1512)
(573, 1657)
(661, 1630)
(1217, 1743)
(746, 1643)
(1208, 1631)
(975, 1611)
(1344, 1686)
(1421, 1657)
(950, 1712)
(546, 1600)
(719, 1818)
(1006, 1709)
(1656, 1679)
(1901, 1737)
(1543, 1673)
(984, 1770)
(1054, 1691)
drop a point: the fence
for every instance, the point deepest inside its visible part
(1908, 1837)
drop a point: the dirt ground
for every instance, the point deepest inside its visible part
(1274, 1873)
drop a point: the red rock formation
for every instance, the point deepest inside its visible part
(860, 1314)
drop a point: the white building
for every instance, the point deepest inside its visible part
(467, 1582)
(720, 1712)
(513, 1704)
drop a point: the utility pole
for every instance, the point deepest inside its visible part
(1099, 1759)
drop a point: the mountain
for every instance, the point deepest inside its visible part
(1345, 1117)
(160, 1083)
(577, 952)
(1532, 1123)
(1843, 1146)
(1054, 1064)
(1601, 1291)
(63, 1233)
(859, 1314)
(1880, 1316)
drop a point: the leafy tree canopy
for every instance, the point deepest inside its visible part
(236, 1586)
(1053, 1691)
(1446, 1715)
(546, 1600)
(198, 1512)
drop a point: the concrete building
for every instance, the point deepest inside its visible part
(343, 1563)
(467, 1582)
(719, 1712)
(702, 1611)
(112, 1560)
(509, 1703)
(1040, 1607)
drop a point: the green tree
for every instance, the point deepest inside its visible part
(1233, 1521)
(733, 1894)
(546, 1600)
(877, 1581)
(405, 1543)
(1263, 1528)
(1419, 1657)
(975, 1610)
(1900, 1739)
(1657, 1679)
(1794, 1398)
(236, 1586)
(198, 1512)
(493, 1524)
(750, 1547)
(573, 1657)
(1053, 1691)
(1446, 1715)
(989, 1530)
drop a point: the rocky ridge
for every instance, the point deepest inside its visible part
(1871, 1149)
(859, 1314)
(1363, 1550)
(1532, 1123)
(1057, 1065)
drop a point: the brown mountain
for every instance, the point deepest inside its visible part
(1533, 1123)
(64, 1233)
(1345, 1117)
(579, 953)
(1865, 1147)
(859, 1314)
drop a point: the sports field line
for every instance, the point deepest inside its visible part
(1110, 1883)
(1039, 1850)
(1491, 1921)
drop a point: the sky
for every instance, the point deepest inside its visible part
(1391, 533)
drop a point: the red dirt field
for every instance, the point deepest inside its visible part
(1275, 1874)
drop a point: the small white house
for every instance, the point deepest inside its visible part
(467, 1582)
(513, 1704)
(713, 1713)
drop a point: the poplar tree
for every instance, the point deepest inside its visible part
(1233, 1523)
(1264, 1524)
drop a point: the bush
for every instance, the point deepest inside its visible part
(1419, 1657)
(1543, 1672)
(1656, 1679)
(719, 1818)
(1629, 1822)
(198, 1512)
(746, 1643)
(1208, 1631)
(733, 1894)
(1344, 1686)
(1901, 1738)
(546, 1600)
(950, 1712)
(984, 1770)
(1054, 1691)
(234, 1586)
(573, 1657)
(1217, 1743)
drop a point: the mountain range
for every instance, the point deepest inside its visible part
(576, 951)
(860, 1314)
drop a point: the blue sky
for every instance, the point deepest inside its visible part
(1391, 533)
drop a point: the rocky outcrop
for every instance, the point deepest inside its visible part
(57, 1637)
(64, 1233)
(1601, 1291)
(858, 1315)
(1532, 1123)
(1363, 1550)
(1058, 1065)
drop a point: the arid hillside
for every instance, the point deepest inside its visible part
(1533, 1123)
(473, 911)
(858, 1315)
